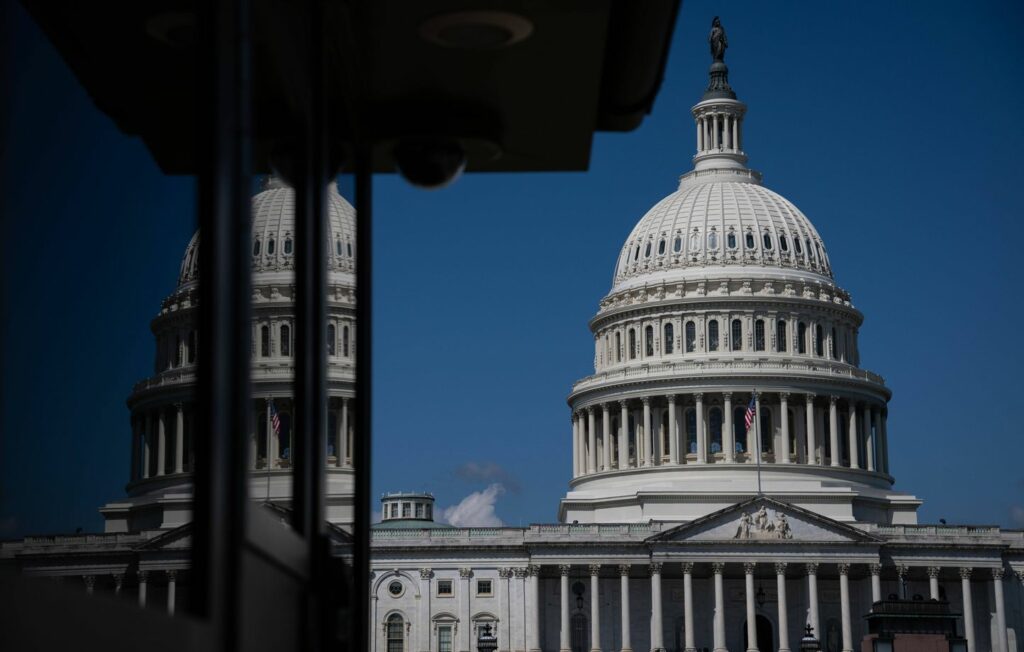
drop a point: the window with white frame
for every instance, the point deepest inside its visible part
(445, 588)
(484, 587)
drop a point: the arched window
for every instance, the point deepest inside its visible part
(783, 242)
(713, 335)
(796, 245)
(331, 339)
(191, 346)
(677, 244)
(632, 343)
(691, 430)
(730, 240)
(256, 248)
(618, 347)
(348, 249)
(715, 425)
(270, 247)
(649, 341)
(819, 341)
(713, 240)
(636, 253)
(344, 341)
(835, 345)
(661, 246)
(665, 434)
(780, 336)
(691, 337)
(288, 246)
(332, 429)
(766, 239)
(286, 340)
(759, 335)
(792, 432)
(177, 350)
(669, 337)
(694, 241)
(810, 251)
(647, 250)
(801, 338)
(737, 335)
(395, 633)
(749, 240)
(767, 432)
(337, 247)
(265, 341)
(739, 428)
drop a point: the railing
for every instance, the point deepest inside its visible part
(84, 539)
(284, 370)
(702, 367)
(518, 535)
(939, 530)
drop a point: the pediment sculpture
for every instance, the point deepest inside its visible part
(759, 526)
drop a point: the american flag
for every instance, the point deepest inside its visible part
(748, 418)
(275, 421)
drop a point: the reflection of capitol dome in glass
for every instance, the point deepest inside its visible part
(722, 292)
(160, 491)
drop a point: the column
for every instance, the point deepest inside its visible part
(702, 445)
(844, 605)
(1001, 644)
(648, 433)
(595, 608)
(580, 443)
(780, 586)
(965, 594)
(812, 599)
(784, 422)
(143, 579)
(869, 439)
(700, 135)
(272, 448)
(172, 583)
(748, 573)
(728, 429)
(853, 433)
(424, 587)
(505, 607)
(714, 133)
(133, 470)
(90, 583)
(161, 442)
(564, 642)
(118, 583)
(657, 633)
(719, 633)
(627, 644)
(533, 614)
(688, 606)
(933, 582)
(575, 445)
(179, 439)
(673, 431)
(883, 440)
(812, 438)
(833, 430)
(591, 440)
(464, 613)
(342, 444)
(606, 438)
(876, 582)
(736, 133)
(623, 435)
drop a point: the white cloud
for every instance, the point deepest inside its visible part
(487, 472)
(476, 509)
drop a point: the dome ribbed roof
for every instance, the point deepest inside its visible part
(273, 233)
(725, 225)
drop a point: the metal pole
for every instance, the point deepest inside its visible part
(757, 438)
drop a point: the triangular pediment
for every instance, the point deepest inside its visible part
(764, 520)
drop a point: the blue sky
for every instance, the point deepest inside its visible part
(893, 126)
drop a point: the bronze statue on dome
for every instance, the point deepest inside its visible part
(717, 40)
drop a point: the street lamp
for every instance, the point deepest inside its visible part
(760, 596)
(808, 643)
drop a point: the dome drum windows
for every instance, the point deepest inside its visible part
(661, 247)
(332, 344)
(256, 248)
(288, 246)
(694, 246)
(766, 240)
(780, 336)
(691, 337)
(801, 338)
(270, 247)
(784, 243)
(286, 340)
(748, 240)
(649, 341)
(647, 250)
(759, 339)
(669, 338)
(730, 239)
(632, 344)
(677, 244)
(713, 335)
(736, 337)
(265, 341)
(712, 240)
(344, 341)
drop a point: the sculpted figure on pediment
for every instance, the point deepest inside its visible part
(761, 526)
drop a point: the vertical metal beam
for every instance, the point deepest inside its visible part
(223, 79)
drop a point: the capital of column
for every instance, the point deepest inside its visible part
(465, 573)
(268, 400)
(564, 570)
(172, 575)
(687, 566)
(505, 573)
(1020, 575)
(812, 568)
(426, 573)
(623, 403)
(118, 580)
(780, 568)
(749, 567)
(624, 569)
(595, 569)
(178, 405)
(902, 570)
(784, 396)
(589, 409)
(671, 399)
(143, 576)
(646, 401)
(90, 581)
(933, 572)
(655, 567)
(698, 396)
(997, 574)
(965, 572)
(844, 569)
(533, 570)
(520, 572)
(810, 398)
(832, 400)
(344, 401)
(726, 396)
(875, 569)
(718, 567)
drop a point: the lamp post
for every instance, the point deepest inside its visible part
(808, 642)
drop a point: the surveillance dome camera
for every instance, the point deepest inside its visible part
(430, 162)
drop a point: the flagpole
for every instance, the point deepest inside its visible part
(269, 439)
(757, 436)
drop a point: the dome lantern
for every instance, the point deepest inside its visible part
(719, 115)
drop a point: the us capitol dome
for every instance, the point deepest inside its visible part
(722, 292)
(160, 486)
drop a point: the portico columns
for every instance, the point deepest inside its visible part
(1001, 643)
(688, 606)
(853, 435)
(728, 432)
(595, 608)
(780, 585)
(748, 572)
(933, 582)
(812, 439)
(876, 582)
(752, 447)
(464, 612)
(591, 441)
(673, 437)
(580, 443)
(90, 583)
(342, 446)
(648, 434)
(844, 605)
(143, 579)
(702, 444)
(833, 431)
(812, 598)
(564, 642)
(719, 639)
(533, 614)
(657, 635)
(623, 435)
(161, 443)
(627, 645)
(133, 471)
(883, 440)
(965, 595)
(869, 440)
(172, 583)
(784, 422)
(179, 439)
(606, 436)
